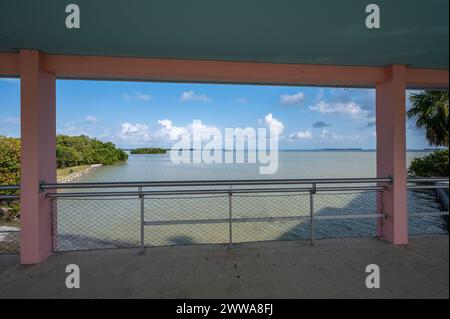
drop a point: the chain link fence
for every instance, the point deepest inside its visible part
(426, 212)
(9, 238)
(93, 223)
(9, 223)
(83, 221)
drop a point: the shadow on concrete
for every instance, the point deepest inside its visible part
(181, 240)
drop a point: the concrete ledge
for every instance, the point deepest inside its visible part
(329, 269)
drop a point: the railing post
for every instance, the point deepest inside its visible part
(53, 202)
(141, 197)
(380, 211)
(230, 217)
(311, 211)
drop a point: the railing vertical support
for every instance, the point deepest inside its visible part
(141, 197)
(311, 212)
(230, 217)
(53, 202)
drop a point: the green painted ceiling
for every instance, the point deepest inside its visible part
(413, 32)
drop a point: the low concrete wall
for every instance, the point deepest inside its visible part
(75, 176)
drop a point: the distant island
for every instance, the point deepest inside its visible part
(149, 150)
(342, 149)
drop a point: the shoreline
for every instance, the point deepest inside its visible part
(74, 176)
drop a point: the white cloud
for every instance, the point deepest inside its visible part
(139, 133)
(134, 133)
(273, 124)
(72, 129)
(143, 97)
(346, 108)
(139, 96)
(297, 98)
(191, 96)
(169, 131)
(356, 104)
(329, 135)
(90, 119)
(301, 135)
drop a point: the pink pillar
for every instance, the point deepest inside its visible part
(38, 159)
(391, 152)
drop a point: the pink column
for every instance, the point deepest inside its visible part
(391, 152)
(38, 159)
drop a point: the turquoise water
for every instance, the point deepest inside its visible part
(291, 164)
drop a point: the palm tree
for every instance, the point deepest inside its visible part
(430, 108)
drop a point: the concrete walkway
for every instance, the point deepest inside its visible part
(329, 269)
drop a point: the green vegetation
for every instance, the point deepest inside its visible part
(73, 153)
(9, 175)
(430, 109)
(9, 161)
(149, 151)
(83, 150)
(432, 165)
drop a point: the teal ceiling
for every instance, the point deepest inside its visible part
(413, 32)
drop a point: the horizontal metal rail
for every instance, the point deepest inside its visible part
(9, 187)
(9, 230)
(6, 188)
(255, 219)
(417, 214)
(212, 191)
(427, 179)
(435, 186)
(287, 182)
(230, 188)
(9, 197)
(45, 186)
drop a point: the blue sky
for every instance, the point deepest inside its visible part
(135, 114)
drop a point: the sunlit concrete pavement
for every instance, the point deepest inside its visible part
(329, 269)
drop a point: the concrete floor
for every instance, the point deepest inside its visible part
(329, 269)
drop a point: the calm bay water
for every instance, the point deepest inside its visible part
(291, 164)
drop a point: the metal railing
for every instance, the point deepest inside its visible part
(147, 192)
(9, 230)
(162, 204)
(9, 188)
(432, 217)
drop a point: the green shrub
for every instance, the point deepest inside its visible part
(70, 151)
(83, 150)
(149, 151)
(9, 174)
(432, 165)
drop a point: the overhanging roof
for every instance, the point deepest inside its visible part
(413, 32)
